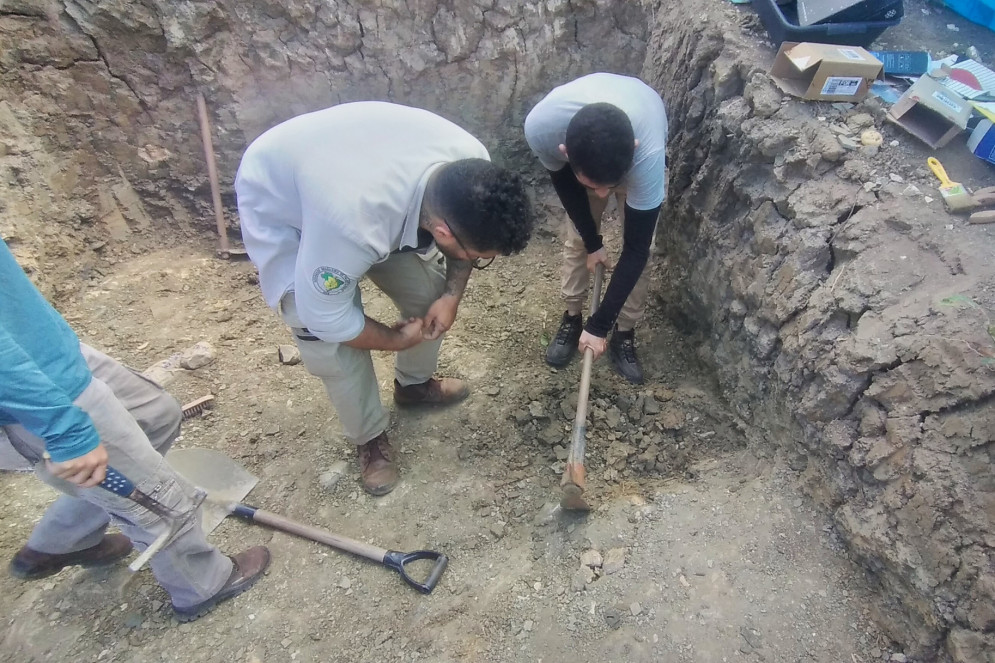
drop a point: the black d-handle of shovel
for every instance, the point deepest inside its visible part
(396, 560)
(389, 558)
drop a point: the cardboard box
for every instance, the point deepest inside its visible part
(825, 72)
(931, 112)
(982, 141)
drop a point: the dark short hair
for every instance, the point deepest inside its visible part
(486, 203)
(600, 143)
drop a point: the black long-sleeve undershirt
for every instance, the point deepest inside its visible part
(636, 240)
(573, 195)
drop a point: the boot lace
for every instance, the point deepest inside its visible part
(565, 331)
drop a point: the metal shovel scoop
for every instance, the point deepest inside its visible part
(227, 482)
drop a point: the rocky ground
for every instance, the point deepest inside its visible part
(699, 548)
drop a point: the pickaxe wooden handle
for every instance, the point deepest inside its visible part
(574, 480)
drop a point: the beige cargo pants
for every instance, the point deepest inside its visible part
(412, 281)
(575, 274)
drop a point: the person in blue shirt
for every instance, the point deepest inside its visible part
(77, 411)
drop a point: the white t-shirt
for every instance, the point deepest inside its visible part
(546, 129)
(324, 196)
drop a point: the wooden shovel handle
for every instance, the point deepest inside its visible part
(574, 471)
(283, 524)
(212, 173)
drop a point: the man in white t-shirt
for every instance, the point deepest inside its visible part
(394, 194)
(599, 135)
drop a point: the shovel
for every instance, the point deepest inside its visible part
(574, 477)
(227, 482)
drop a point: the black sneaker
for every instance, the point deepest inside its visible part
(562, 348)
(622, 350)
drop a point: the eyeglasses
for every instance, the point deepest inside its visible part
(476, 263)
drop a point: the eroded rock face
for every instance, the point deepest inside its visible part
(844, 321)
(98, 98)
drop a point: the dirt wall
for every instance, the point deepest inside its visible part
(847, 319)
(98, 98)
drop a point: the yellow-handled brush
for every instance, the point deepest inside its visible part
(955, 196)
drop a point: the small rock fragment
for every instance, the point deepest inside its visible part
(289, 355)
(614, 561)
(330, 477)
(198, 356)
(635, 609)
(591, 558)
(613, 618)
(581, 579)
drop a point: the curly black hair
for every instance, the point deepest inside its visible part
(600, 143)
(486, 203)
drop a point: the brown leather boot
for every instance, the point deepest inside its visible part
(377, 466)
(247, 567)
(444, 391)
(30, 564)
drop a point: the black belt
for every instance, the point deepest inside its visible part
(304, 334)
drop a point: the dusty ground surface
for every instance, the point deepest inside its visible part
(711, 549)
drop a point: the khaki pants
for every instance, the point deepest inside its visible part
(413, 282)
(576, 275)
(137, 422)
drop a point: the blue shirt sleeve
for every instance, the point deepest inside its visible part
(30, 398)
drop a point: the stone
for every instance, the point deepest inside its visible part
(672, 418)
(614, 561)
(289, 355)
(613, 618)
(860, 121)
(650, 406)
(497, 529)
(198, 356)
(331, 477)
(848, 143)
(635, 609)
(581, 579)
(345, 583)
(591, 558)
(613, 417)
(899, 658)
(536, 410)
(562, 453)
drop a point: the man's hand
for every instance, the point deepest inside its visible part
(599, 256)
(410, 333)
(85, 471)
(596, 344)
(440, 317)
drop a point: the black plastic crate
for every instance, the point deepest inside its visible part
(781, 22)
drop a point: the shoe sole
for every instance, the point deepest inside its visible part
(24, 575)
(186, 618)
(380, 492)
(431, 403)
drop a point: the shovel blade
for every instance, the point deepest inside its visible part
(225, 481)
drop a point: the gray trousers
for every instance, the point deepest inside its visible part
(412, 281)
(137, 422)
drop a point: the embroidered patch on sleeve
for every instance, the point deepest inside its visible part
(329, 281)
